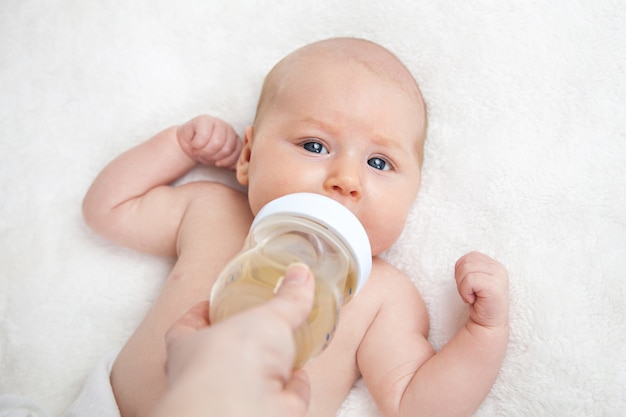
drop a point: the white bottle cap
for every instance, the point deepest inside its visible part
(333, 215)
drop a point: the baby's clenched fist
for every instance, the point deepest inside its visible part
(210, 141)
(483, 283)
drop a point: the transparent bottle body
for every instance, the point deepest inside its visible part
(253, 276)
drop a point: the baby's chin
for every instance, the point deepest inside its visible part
(383, 234)
(379, 247)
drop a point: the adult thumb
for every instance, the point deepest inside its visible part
(294, 295)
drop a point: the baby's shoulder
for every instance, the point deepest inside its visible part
(387, 288)
(215, 211)
(386, 278)
(203, 190)
(213, 197)
(394, 289)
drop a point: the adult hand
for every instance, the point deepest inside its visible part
(241, 366)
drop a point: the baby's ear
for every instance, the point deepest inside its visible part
(243, 162)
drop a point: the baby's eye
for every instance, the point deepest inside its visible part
(315, 147)
(378, 163)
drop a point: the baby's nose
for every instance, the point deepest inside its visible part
(345, 182)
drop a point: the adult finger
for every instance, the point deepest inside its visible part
(193, 320)
(300, 389)
(294, 296)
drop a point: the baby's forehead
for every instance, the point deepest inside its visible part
(344, 56)
(365, 54)
(343, 52)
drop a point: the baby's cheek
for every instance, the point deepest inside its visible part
(382, 237)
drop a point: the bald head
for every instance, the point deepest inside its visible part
(370, 55)
(342, 51)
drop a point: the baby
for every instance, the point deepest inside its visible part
(343, 118)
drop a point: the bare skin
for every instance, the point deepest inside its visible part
(259, 341)
(342, 118)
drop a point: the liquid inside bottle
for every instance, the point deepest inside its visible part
(273, 244)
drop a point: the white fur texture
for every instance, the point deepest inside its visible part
(525, 160)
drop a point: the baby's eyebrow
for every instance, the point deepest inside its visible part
(386, 142)
(378, 138)
(325, 126)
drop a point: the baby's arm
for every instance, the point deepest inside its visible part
(130, 201)
(403, 373)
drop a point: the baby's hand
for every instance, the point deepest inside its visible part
(483, 283)
(210, 141)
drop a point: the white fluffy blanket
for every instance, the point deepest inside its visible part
(525, 160)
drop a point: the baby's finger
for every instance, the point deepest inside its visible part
(204, 130)
(478, 262)
(218, 145)
(213, 148)
(466, 286)
(230, 159)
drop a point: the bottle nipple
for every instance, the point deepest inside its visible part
(290, 248)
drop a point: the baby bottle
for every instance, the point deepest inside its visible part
(306, 228)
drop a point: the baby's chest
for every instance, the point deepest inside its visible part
(333, 373)
(207, 241)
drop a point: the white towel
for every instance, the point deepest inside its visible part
(525, 160)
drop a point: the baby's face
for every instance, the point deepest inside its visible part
(344, 132)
